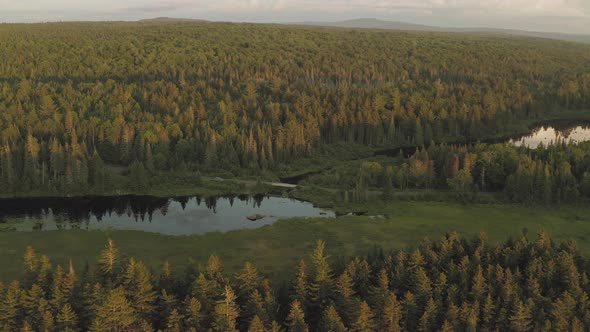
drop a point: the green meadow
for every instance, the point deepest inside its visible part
(277, 248)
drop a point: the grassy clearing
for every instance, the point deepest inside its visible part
(276, 248)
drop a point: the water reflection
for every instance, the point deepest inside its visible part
(554, 134)
(172, 216)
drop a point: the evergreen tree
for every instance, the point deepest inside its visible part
(296, 319)
(301, 284)
(109, 259)
(174, 321)
(331, 321)
(390, 317)
(521, 319)
(11, 313)
(364, 322)
(322, 284)
(66, 319)
(115, 314)
(256, 325)
(226, 312)
(192, 314)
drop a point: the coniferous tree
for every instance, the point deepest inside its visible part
(331, 321)
(109, 259)
(364, 322)
(115, 314)
(296, 319)
(226, 312)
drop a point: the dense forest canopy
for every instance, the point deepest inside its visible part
(451, 285)
(74, 96)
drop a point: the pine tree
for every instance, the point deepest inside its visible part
(26, 327)
(488, 313)
(446, 327)
(96, 172)
(321, 288)
(296, 318)
(115, 314)
(47, 322)
(390, 317)
(67, 319)
(32, 303)
(254, 306)
(31, 266)
(423, 286)
(31, 260)
(345, 298)
(364, 322)
(522, 317)
(331, 321)
(410, 312)
(256, 325)
(174, 321)
(301, 284)
(10, 309)
(141, 293)
(563, 311)
(428, 319)
(109, 258)
(192, 313)
(380, 292)
(215, 268)
(478, 288)
(226, 312)
(248, 279)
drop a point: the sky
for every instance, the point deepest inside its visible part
(569, 16)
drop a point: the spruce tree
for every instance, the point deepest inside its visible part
(109, 260)
(296, 318)
(364, 321)
(226, 312)
(67, 319)
(256, 325)
(115, 314)
(331, 321)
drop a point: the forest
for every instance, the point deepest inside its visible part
(400, 134)
(455, 284)
(83, 102)
(547, 175)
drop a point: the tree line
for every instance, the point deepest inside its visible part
(240, 97)
(455, 284)
(558, 173)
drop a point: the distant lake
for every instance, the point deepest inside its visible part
(170, 216)
(551, 134)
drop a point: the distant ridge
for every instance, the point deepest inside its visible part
(372, 23)
(171, 19)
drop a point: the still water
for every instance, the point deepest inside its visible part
(549, 135)
(171, 216)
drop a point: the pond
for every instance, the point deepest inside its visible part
(170, 216)
(552, 134)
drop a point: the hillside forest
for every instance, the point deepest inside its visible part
(81, 102)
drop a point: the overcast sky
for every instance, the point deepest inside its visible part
(572, 16)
